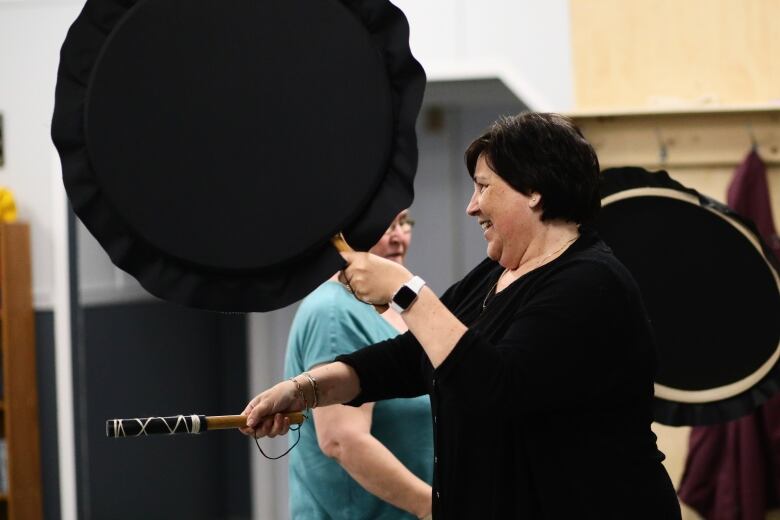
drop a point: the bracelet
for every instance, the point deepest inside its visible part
(299, 392)
(314, 387)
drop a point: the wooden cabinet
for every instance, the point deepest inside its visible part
(19, 399)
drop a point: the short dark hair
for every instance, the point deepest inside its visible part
(547, 154)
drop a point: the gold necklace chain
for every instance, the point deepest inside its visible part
(492, 288)
(565, 244)
(541, 263)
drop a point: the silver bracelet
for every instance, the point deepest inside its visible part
(315, 388)
(299, 392)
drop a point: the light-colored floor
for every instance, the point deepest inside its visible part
(673, 442)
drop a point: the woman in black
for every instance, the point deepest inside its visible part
(539, 362)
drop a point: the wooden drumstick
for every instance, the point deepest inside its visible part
(341, 245)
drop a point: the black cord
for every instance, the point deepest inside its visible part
(352, 291)
(298, 429)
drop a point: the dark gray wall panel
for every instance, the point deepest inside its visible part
(157, 359)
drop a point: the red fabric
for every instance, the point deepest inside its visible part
(733, 469)
(749, 196)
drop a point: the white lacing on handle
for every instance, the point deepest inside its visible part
(180, 421)
(179, 426)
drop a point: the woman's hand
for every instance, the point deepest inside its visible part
(264, 418)
(373, 279)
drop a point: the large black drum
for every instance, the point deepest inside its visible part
(711, 290)
(214, 147)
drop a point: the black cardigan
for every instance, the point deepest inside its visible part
(543, 408)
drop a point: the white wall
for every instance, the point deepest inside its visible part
(267, 342)
(31, 33)
(527, 43)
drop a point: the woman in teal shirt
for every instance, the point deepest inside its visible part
(370, 462)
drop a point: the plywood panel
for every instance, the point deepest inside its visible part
(671, 52)
(690, 140)
(702, 149)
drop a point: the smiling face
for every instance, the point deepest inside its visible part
(507, 217)
(394, 244)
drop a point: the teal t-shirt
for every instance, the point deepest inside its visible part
(330, 322)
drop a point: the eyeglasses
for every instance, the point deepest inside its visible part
(404, 224)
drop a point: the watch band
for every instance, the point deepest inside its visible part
(406, 295)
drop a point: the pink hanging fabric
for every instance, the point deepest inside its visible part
(733, 470)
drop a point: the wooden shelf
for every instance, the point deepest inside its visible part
(19, 419)
(693, 138)
(702, 145)
(675, 110)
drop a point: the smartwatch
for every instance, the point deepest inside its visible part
(407, 294)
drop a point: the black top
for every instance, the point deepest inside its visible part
(543, 408)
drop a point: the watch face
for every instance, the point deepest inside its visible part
(404, 297)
